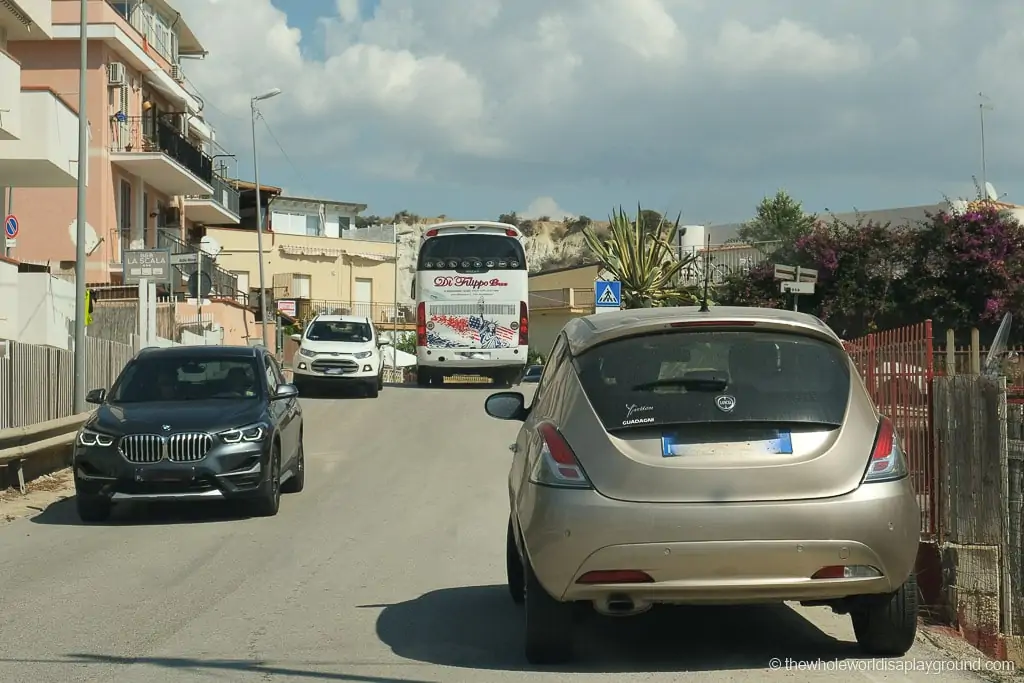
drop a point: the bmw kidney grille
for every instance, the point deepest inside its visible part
(149, 448)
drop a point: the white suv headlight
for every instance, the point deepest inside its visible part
(307, 353)
(362, 354)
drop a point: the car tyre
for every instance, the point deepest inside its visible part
(372, 391)
(93, 508)
(514, 567)
(887, 626)
(548, 623)
(269, 502)
(380, 381)
(298, 479)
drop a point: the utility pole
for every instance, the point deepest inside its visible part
(259, 212)
(80, 255)
(982, 106)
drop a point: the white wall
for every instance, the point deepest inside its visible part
(8, 300)
(289, 218)
(46, 310)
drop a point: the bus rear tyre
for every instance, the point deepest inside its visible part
(422, 377)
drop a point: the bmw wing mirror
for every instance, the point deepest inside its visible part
(96, 396)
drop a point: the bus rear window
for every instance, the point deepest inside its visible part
(472, 253)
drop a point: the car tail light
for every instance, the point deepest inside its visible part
(431, 233)
(714, 323)
(524, 324)
(557, 465)
(616, 576)
(850, 571)
(887, 463)
(511, 233)
(421, 324)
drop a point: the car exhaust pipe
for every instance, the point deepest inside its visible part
(620, 605)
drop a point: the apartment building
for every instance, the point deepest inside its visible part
(38, 123)
(153, 177)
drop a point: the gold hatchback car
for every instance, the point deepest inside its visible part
(672, 456)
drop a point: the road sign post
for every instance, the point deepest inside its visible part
(607, 296)
(796, 281)
(11, 230)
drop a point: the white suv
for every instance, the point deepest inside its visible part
(339, 349)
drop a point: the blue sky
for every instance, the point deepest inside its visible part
(472, 108)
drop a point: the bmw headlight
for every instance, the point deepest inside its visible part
(307, 353)
(252, 433)
(90, 439)
(363, 354)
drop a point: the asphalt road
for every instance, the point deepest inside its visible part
(388, 567)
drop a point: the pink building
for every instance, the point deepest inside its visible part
(152, 176)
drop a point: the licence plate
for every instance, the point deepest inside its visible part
(334, 371)
(163, 476)
(476, 355)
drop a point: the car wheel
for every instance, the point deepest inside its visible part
(93, 508)
(886, 626)
(298, 479)
(380, 382)
(548, 623)
(514, 567)
(269, 502)
(371, 390)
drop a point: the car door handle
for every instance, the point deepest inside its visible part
(514, 447)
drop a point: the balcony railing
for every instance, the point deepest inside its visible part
(224, 284)
(144, 134)
(143, 19)
(383, 314)
(223, 193)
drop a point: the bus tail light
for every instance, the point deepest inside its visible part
(421, 324)
(524, 324)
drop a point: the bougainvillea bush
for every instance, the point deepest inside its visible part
(959, 268)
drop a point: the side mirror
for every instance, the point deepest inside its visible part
(96, 396)
(297, 337)
(285, 391)
(506, 405)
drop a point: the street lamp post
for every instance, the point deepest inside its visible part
(274, 92)
(394, 315)
(80, 255)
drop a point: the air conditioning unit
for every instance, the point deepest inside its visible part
(176, 73)
(115, 74)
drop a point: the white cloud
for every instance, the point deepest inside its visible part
(545, 206)
(689, 103)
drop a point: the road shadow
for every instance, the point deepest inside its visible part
(216, 668)
(330, 393)
(449, 387)
(63, 513)
(479, 627)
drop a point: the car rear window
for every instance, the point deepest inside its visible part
(715, 377)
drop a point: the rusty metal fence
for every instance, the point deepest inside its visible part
(897, 367)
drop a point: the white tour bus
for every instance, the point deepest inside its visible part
(471, 295)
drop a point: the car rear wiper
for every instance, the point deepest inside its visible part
(698, 380)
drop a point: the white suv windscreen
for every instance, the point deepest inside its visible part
(339, 331)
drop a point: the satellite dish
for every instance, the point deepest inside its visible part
(210, 246)
(958, 205)
(201, 281)
(994, 358)
(990, 191)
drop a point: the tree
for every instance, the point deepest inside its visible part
(779, 219)
(967, 266)
(643, 259)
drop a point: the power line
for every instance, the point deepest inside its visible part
(287, 158)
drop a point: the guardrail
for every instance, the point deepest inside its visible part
(18, 444)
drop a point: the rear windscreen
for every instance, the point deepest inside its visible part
(715, 377)
(472, 253)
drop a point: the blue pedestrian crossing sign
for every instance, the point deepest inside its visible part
(607, 294)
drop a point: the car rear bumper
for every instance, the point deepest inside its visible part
(460, 359)
(721, 553)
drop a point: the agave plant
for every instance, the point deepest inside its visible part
(642, 257)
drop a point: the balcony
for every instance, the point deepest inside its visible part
(46, 154)
(27, 20)
(218, 208)
(223, 284)
(10, 97)
(569, 299)
(160, 155)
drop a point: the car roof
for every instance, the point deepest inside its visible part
(200, 352)
(335, 318)
(589, 331)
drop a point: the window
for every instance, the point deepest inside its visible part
(124, 214)
(558, 350)
(716, 377)
(186, 379)
(472, 252)
(272, 381)
(339, 331)
(344, 223)
(243, 280)
(301, 286)
(313, 225)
